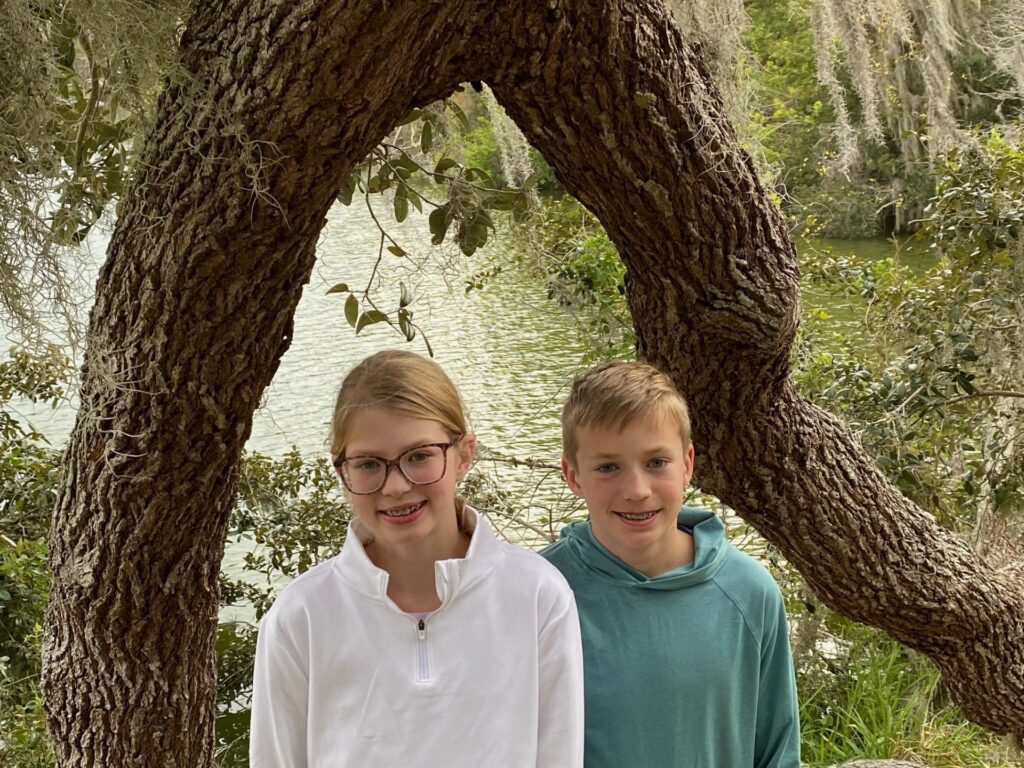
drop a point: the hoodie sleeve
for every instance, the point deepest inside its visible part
(560, 665)
(277, 736)
(777, 739)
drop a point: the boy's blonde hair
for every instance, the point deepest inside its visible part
(615, 394)
(399, 381)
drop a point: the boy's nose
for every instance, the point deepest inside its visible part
(636, 487)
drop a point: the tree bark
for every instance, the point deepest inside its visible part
(275, 104)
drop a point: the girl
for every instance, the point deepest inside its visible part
(427, 643)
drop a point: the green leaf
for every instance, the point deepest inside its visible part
(405, 299)
(427, 137)
(460, 115)
(339, 288)
(405, 324)
(415, 198)
(396, 250)
(369, 318)
(416, 114)
(352, 309)
(438, 222)
(504, 200)
(444, 164)
(347, 189)
(472, 235)
(406, 162)
(401, 205)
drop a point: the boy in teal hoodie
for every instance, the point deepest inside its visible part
(686, 658)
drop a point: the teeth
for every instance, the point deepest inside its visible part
(402, 511)
(639, 516)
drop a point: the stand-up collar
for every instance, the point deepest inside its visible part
(450, 576)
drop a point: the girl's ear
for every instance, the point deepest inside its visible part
(465, 450)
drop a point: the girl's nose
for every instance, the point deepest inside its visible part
(395, 484)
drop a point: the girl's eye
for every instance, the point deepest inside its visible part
(657, 463)
(366, 465)
(417, 457)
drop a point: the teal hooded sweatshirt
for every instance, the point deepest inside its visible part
(690, 669)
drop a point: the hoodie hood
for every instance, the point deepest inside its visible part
(711, 551)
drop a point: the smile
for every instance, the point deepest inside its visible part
(405, 511)
(637, 517)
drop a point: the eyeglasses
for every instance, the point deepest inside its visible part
(422, 465)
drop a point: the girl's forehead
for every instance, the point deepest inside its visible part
(384, 431)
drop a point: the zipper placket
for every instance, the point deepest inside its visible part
(423, 661)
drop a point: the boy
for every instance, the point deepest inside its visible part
(686, 657)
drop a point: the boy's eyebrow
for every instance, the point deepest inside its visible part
(649, 452)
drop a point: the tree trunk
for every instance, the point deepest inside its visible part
(275, 104)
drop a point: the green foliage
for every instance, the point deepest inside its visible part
(418, 167)
(28, 471)
(863, 695)
(932, 394)
(791, 115)
(288, 516)
(480, 150)
(567, 246)
(77, 88)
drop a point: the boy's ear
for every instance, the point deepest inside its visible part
(689, 463)
(571, 479)
(465, 450)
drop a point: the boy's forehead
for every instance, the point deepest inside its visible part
(610, 437)
(611, 425)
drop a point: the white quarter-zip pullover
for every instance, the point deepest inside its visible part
(491, 679)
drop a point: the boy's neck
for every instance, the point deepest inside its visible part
(667, 554)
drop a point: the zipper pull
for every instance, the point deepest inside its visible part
(422, 630)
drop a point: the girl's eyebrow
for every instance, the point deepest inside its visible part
(379, 454)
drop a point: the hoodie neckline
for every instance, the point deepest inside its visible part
(710, 552)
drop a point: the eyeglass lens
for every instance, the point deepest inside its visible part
(421, 466)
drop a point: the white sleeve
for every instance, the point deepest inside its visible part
(560, 727)
(280, 693)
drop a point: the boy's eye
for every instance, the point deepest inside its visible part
(605, 468)
(657, 463)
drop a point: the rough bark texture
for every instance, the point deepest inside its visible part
(213, 244)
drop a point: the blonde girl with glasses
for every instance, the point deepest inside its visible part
(427, 642)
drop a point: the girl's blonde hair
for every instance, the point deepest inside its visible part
(399, 381)
(405, 383)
